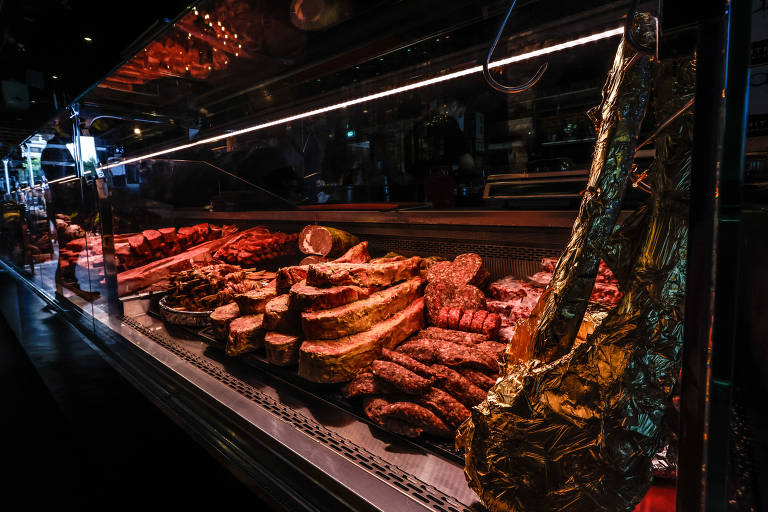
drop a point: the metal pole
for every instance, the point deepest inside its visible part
(7, 180)
(29, 166)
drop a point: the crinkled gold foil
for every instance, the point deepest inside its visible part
(577, 433)
(618, 120)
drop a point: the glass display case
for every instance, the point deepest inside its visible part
(195, 211)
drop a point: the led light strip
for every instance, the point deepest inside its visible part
(416, 85)
(65, 178)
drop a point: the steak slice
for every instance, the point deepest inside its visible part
(361, 315)
(254, 301)
(222, 316)
(356, 254)
(365, 275)
(400, 377)
(282, 349)
(306, 298)
(245, 335)
(289, 276)
(277, 315)
(341, 359)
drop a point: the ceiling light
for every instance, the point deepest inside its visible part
(137, 130)
(87, 39)
(390, 92)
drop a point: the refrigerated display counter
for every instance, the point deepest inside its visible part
(325, 239)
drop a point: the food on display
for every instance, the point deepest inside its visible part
(360, 315)
(325, 241)
(282, 349)
(139, 278)
(455, 285)
(208, 287)
(341, 359)
(289, 276)
(137, 250)
(365, 275)
(278, 316)
(442, 371)
(257, 246)
(590, 413)
(255, 301)
(310, 298)
(245, 335)
(222, 316)
(312, 260)
(469, 320)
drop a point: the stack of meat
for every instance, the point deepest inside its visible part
(267, 318)
(351, 311)
(515, 298)
(257, 245)
(85, 253)
(205, 288)
(132, 251)
(429, 383)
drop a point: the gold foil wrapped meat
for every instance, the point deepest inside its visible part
(574, 428)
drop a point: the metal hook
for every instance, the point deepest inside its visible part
(509, 89)
(628, 33)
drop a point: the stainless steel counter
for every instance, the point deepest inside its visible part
(352, 461)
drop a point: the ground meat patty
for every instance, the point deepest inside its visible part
(435, 294)
(444, 405)
(465, 338)
(407, 362)
(366, 384)
(466, 319)
(478, 321)
(491, 325)
(417, 416)
(453, 383)
(400, 377)
(423, 350)
(466, 297)
(468, 269)
(439, 271)
(454, 316)
(478, 378)
(442, 318)
(455, 355)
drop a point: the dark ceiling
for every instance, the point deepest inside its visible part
(51, 51)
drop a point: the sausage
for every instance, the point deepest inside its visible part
(478, 321)
(452, 354)
(492, 324)
(454, 315)
(478, 378)
(400, 377)
(453, 383)
(445, 406)
(466, 320)
(366, 384)
(407, 362)
(442, 318)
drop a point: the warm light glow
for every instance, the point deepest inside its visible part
(383, 94)
(63, 180)
(87, 39)
(137, 131)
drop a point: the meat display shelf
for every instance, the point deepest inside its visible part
(270, 433)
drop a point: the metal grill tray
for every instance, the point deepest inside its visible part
(328, 393)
